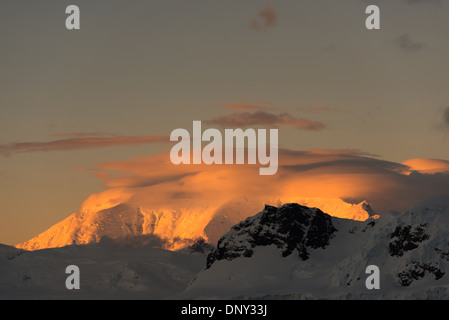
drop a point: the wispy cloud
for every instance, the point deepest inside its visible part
(443, 118)
(266, 18)
(77, 143)
(406, 44)
(446, 117)
(263, 118)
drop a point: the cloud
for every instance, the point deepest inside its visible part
(429, 166)
(77, 143)
(266, 18)
(346, 152)
(344, 174)
(406, 44)
(263, 118)
(442, 123)
(446, 116)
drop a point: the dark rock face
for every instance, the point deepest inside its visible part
(406, 238)
(443, 253)
(290, 227)
(417, 270)
(200, 246)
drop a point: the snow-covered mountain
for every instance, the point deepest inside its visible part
(295, 252)
(172, 229)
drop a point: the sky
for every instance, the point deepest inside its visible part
(363, 111)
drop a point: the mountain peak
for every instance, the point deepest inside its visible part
(289, 227)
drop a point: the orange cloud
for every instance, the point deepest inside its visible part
(345, 174)
(429, 166)
(77, 143)
(266, 18)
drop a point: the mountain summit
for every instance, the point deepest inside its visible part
(291, 227)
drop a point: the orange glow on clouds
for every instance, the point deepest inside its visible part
(345, 174)
(180, 203)
(427, 165)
